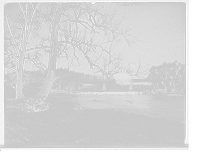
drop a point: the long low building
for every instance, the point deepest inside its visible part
(111, 85)
(88, 87)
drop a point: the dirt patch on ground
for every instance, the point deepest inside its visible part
(66, 125)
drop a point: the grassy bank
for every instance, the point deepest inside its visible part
(62, 125)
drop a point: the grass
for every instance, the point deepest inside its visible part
(96, 124)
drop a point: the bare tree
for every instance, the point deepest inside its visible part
(81, 28)
(19, 24)
(109, 65)
(53, 16)
(137, 70)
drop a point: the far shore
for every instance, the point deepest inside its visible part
(112, 93)
(172, 94)
(125, 93)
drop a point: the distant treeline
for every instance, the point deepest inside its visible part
(168, 76)
(64, 82)
(69, 83)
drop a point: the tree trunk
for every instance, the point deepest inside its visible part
(50, 78)
(59, 85)
(174, 85)
(19, 83)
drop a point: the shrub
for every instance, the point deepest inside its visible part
(36, 104)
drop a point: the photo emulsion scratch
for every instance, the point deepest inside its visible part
(95, 75)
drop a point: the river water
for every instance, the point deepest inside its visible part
(162, 106)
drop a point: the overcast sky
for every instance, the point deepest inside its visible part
(158, 31)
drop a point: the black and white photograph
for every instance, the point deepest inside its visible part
(98, 75)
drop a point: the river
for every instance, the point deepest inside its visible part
(162, 106)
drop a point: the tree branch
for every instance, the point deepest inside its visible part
(15, 43)
(11, 68)
(38, 48)
(93, 64)
(67, 34)
(89, 14)
(42, 20)
(36, 8)
(12, 56)
(38, 65)
(77, 21)
(139, 66)
(22, 10)
(11, 37)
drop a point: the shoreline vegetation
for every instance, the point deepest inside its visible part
(62, 125)
(128, 93)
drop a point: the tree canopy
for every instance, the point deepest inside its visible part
(168, 75)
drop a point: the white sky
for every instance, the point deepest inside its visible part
(158, 31)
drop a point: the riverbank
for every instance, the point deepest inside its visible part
(173, 94)
(63, 126)
(111, 93)
(125, 93)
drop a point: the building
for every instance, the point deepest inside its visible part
(142, 85)
(87, 87)
(111, 85)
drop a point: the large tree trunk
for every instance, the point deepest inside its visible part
(19, 73)
(19, 85)
(20, 65)
(50, 78)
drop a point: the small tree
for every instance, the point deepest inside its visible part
(19, 23)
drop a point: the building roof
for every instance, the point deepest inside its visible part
(88, 85)
(37, 77)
